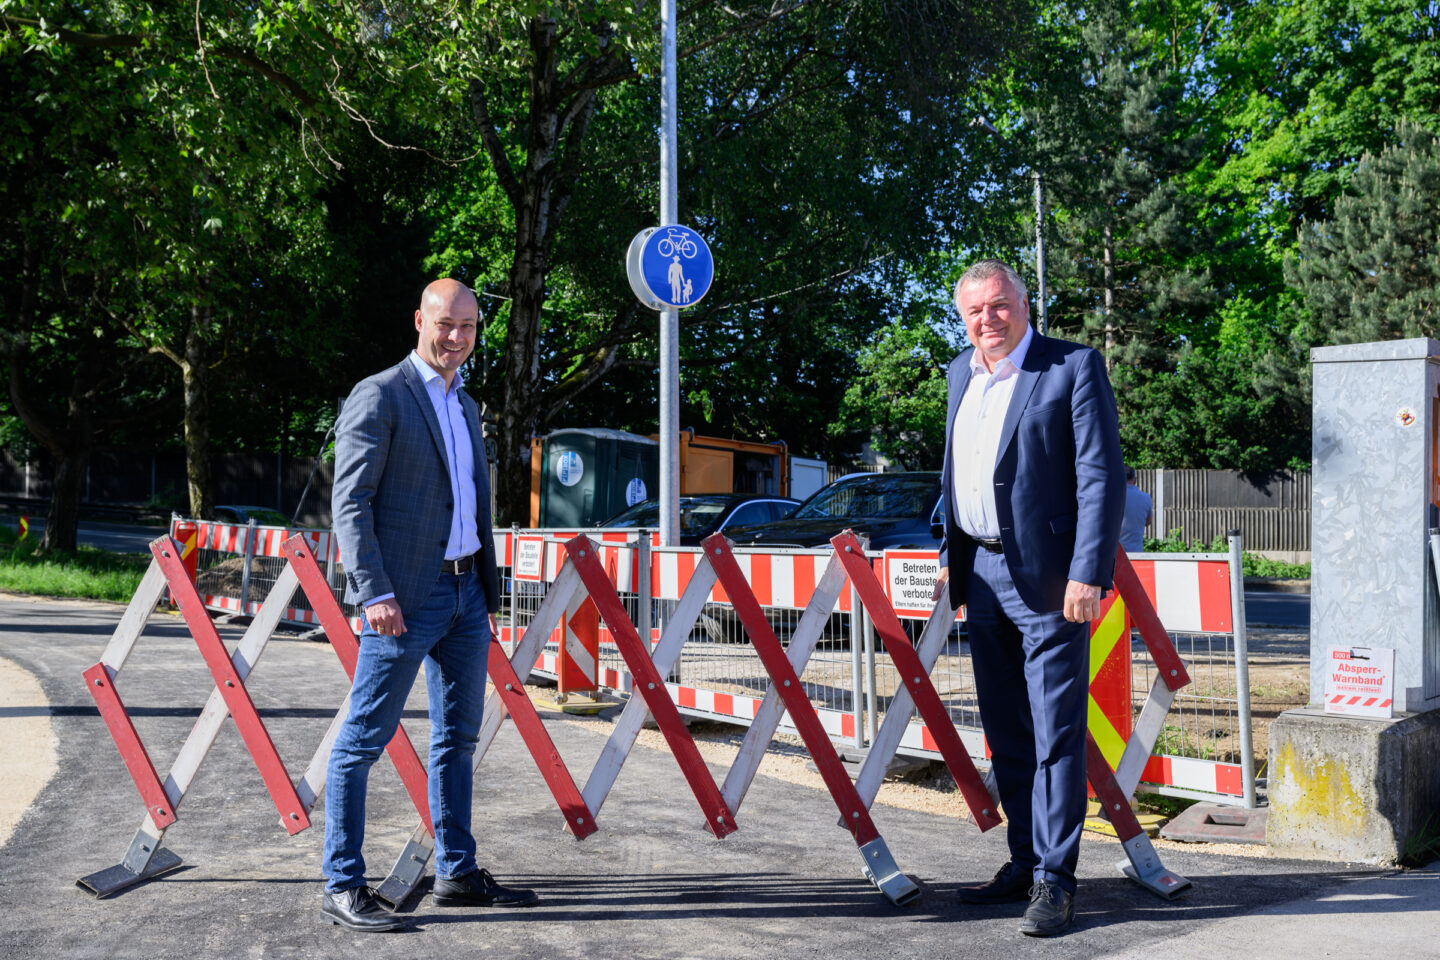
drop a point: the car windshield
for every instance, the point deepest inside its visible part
(878, 496)
(696, 516)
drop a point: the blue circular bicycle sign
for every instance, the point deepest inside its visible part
(669, 267)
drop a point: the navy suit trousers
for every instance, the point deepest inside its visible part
(1031, 679)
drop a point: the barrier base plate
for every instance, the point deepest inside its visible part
(1160, 882)
(112, 880)
(879, 868)
(584, 708)
(405, 876)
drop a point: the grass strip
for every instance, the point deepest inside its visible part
(86, 573)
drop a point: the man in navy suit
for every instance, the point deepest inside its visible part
(1034, 493)
(411, 504)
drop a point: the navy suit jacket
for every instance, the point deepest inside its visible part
(1059, 476)
(391, 499)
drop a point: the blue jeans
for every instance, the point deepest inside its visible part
(450, 633)
(1032, 673)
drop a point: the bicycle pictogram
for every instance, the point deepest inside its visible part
(676, 241)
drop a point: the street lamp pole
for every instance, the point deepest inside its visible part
(1042, 320)
(1040, 251)
(669, 317)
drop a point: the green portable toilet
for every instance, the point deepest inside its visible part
(589, 474)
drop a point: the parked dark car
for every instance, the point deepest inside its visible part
(264, 516)
(888, 511)
(702, 514)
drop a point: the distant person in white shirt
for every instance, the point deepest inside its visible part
(1138, 514)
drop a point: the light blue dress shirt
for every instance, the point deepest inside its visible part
(459, 456)
(459, 461)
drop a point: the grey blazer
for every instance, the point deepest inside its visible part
(391, 499)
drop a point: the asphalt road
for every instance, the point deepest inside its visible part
(1277, 609)
(652, 883)
(115, 537)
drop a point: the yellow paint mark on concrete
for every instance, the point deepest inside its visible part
(1317, 797)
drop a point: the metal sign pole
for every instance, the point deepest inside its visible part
(669, 317)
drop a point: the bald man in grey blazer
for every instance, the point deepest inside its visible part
(411, 507)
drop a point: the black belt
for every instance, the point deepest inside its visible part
(994, 545)
(459, 565)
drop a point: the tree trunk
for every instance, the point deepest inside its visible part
(69, 440)
(62, 518)
(539, 192)
(194, 373)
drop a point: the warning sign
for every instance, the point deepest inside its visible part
(529, 558)
(1359, 681)
(910, 577)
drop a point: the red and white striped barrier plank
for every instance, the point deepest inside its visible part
(221, 537)
(269, 541)
(1190, 596)
(1144, 865)
(784, 580)
(1203, 776)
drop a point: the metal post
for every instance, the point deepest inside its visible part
(245, 570)
(1242, 668)
(1435, 554)
(669, 318)
(1161, 530)
(642, 588)
(514, 584)
(331, 556)
(857, 629)
(871, 705)
(1040, 250)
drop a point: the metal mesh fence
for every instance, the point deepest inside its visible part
(219, 573)
(849, 671)
(1204, 720)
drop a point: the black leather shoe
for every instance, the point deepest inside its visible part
(478, 889)
(1051, 910)
(1011, 885)
(356, 909)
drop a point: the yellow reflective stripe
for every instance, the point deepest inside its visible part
(1107, 738)
(1107, 634)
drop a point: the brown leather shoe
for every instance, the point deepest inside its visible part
(1010, 885)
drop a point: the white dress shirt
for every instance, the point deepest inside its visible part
(975, 442)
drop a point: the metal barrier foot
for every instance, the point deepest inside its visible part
(406, 875)
(145, 859)
(1145, 868)
(880, 869)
